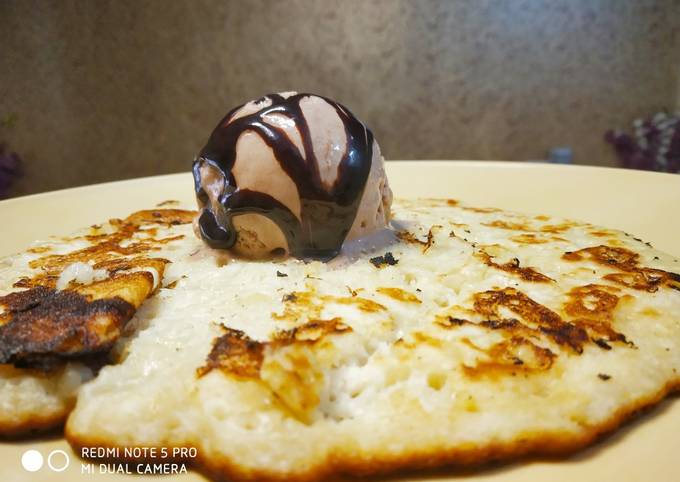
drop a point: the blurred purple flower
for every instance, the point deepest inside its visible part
(10, 169)
(653, 146)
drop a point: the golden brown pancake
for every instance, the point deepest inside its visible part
(458, 336)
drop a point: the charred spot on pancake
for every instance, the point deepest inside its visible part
(399, 295)
(234, 353)
(510, 356)
(114, 266)
(409, 237)
(604, 377)
(592, 308)
(601, 233)
(558, 228)
(44, 323)
(513, 267)
(170, 217)
(352, 292)
(602, 344)
(535, 238)
(39, 249)
(385, 260)
(511, 324)
(300, 305)
(592, 301)
(617, 257)
(297, 305)
(510, 226)
(527, 326)
(646, 279)
(450, 321)
(630, 274)
(674, 281)
(529, 238)
(519, 350)
(480, 210)
(527, 228)
(535, 315)
(42, 279)
(311, 331)
(363, 304)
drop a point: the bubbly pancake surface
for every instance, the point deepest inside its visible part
(458, 336)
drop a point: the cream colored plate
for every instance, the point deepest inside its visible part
(641, 203)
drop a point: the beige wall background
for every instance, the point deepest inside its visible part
(105, 90)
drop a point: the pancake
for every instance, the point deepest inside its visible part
(458, 336)
(64, 304)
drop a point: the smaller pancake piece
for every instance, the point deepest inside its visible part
(65, 303)
(458, 336)
(627, 265)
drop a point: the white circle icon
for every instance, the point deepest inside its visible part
(32, 460)
(54, 465)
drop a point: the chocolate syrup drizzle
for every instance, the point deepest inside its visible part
(326, 215)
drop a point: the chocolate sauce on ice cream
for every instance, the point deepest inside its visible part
(327, 211)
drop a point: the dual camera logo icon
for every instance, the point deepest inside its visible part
(33, 460)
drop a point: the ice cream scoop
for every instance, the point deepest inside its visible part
(290, 174)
